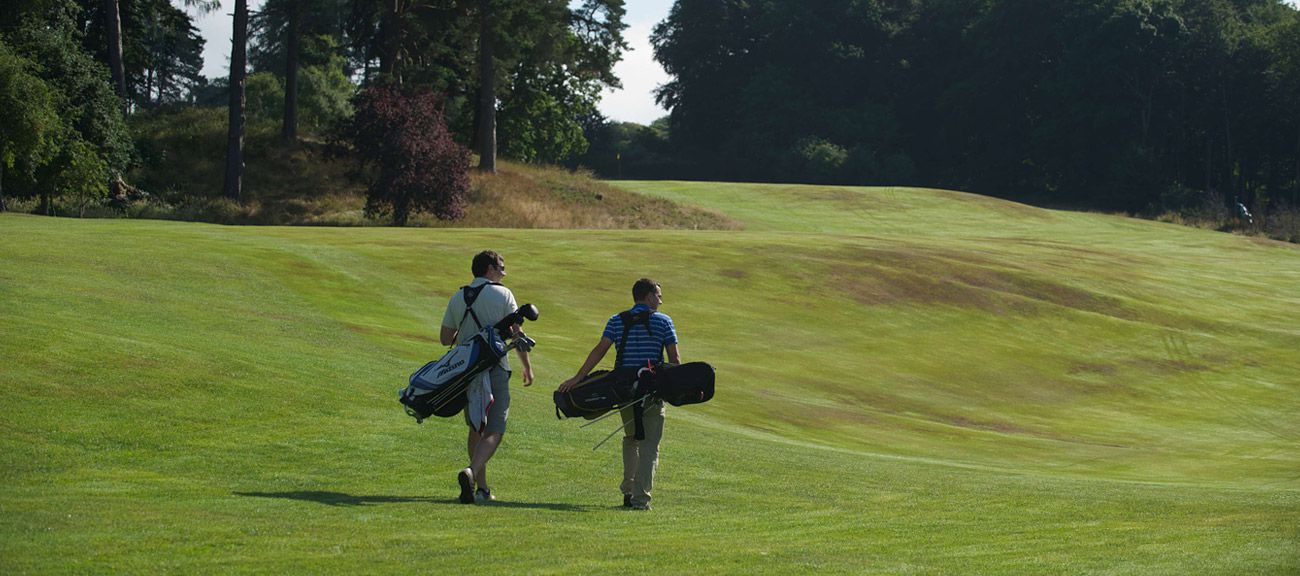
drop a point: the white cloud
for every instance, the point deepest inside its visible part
(216, 27)
(640, 75)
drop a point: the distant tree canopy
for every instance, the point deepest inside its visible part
(1117, 104)
(552, 58)
(62, 134)
(1114, 104)
(161, 48)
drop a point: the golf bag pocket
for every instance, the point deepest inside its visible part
(689, 383)
(600, 392)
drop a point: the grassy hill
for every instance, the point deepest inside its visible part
(313, 183)
(910, 382)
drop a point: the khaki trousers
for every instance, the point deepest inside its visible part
(641, 457)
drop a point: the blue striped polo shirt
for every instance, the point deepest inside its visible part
(642, 346)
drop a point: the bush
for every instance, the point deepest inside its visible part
(324, 96)
(819, 161)
(403, 134)
(264, 97)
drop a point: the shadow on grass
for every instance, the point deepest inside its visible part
(343, 499)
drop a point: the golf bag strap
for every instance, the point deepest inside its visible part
(628, 320)
(638, 420)
(470, 293)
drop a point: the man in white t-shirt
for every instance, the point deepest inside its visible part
(488, 302)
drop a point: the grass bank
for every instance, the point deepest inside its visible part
(313, 183)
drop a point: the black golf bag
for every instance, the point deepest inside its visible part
(438, 388)
(600, 392)
(605, 390)
(689, 383)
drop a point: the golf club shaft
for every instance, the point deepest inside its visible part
(614, 411)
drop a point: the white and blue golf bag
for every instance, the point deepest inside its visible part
(438, 388)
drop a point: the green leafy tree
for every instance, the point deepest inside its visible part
(495, 57)
(542, 119)
(755, 83)
(29, 123)
(292, 36)
(160, 49)
(324, 97)
(625, 149)
(1285, 72)
(264, 96)
(92, 147)
(325, 93)
(709, 49)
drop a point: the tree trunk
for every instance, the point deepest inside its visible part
(148, 88)
(391, 30)
(235, 138)
(401, 212)
(2, 192)
(487, 94)
(163, 77)
(113, 28)
(289, 131)
(1229, 159)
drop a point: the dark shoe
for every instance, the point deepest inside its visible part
(482, 496)
(627, 500)
(466, 479)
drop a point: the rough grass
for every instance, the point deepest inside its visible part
(312, 183)
(526, 196)
(910, 382)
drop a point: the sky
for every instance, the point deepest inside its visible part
(639, 72)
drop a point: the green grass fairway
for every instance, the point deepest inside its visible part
(910, 382)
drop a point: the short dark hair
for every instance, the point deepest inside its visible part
(643, 287)
(484, 260)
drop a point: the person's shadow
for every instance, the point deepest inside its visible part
(343, 499)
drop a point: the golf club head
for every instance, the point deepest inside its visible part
(522, 342)
(527, 311)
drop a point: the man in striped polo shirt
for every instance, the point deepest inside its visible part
(649, 334)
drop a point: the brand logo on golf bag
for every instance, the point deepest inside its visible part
(442, 371)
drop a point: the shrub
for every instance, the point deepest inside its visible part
(264, 96)
(819, 160)
(403, 134)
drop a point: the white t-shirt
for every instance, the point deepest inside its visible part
(492, 304)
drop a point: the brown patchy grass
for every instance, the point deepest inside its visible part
(930, 276)
(524, 196)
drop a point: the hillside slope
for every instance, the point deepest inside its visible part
(910, 381)
(1091, 343)
(314, 183)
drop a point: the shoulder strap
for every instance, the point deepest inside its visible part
(470, 294)
(629, 319)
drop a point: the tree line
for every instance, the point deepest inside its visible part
(516, 78)
(1113, 104)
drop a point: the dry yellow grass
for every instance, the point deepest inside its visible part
(525, 196)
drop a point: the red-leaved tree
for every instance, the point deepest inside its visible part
(403, 134)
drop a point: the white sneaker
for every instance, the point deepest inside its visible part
(483, 495)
